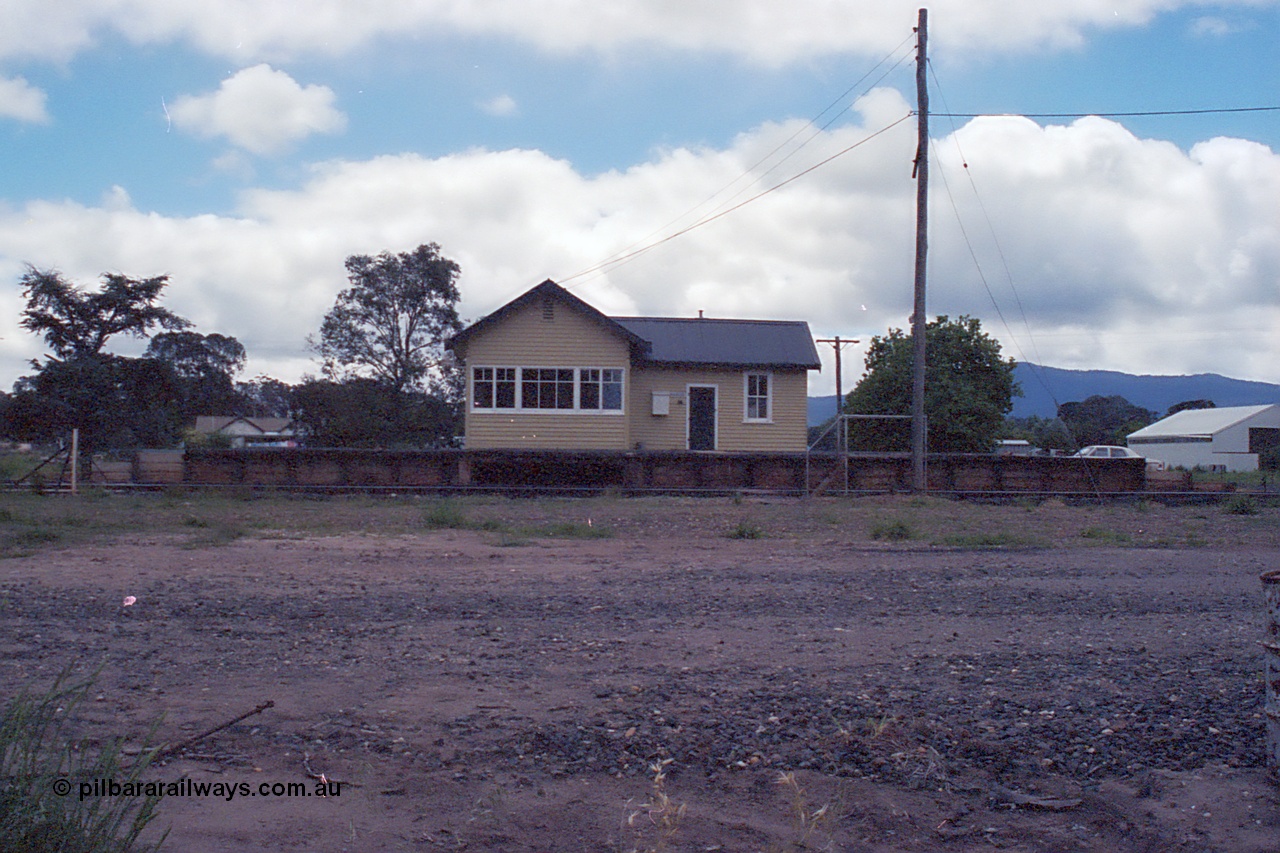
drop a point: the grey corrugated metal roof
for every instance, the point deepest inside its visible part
(748, 343)
(1201, 422)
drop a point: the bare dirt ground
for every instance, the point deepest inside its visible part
(471, 691)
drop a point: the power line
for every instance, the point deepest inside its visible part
(627, 256)
(1135, 114)
(640, 246)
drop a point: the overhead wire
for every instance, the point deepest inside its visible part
(1133, 114)
(1035, 366)
(706, 220)
(991, 229)
(641, 246)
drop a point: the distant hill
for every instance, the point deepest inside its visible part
(1042, 385)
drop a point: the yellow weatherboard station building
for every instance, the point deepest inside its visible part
(547, 371)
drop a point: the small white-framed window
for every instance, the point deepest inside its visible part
(493, 388)
(758, 398)
(600, 389)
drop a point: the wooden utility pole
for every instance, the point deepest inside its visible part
(839, 343)
(919, 481)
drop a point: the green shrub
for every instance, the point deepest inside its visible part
(747, 530)
(893, 531)
(38, 755)
(1242, 505)
(574, 530)
(444, 515)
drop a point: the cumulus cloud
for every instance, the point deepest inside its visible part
(762, 30)
(259, 109)
(1122, 252)
(22, 101)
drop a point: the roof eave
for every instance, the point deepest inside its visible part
(727, 365)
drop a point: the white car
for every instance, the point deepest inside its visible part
(1112, 451)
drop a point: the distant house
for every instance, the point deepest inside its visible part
(1228, 438)
(248, 432)
(549, 371)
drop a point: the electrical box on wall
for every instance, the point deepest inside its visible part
(661, 402)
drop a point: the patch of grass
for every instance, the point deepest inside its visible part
(1241, 505)
(14, 465)
(216, 533)
(746, 530)
(573, 530)
(444, 515)
(39, 758)
(511, 539)
(23, 541)
(1106, 536)
(893, 531)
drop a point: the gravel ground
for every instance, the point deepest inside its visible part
(479, 694)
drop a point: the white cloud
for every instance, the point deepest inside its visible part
(1125, 253)
(500, 106)
(22, 101)
(261, 110)
(1212, 27)
(763, 30)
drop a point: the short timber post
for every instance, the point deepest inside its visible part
(1271, 591)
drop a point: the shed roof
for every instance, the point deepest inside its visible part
(217, 423)
(729, 343)
(1199, 422)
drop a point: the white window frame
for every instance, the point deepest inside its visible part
(471, 378)
(577, 390)
(747, 397)
(602, 382)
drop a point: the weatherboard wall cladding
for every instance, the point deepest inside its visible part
(534, 337)
(786, 431)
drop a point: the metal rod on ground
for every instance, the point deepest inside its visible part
(1271, 592)
(191, 741)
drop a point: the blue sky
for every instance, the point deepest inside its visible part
(246, 148)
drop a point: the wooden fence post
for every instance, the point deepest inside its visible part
(1271, 710)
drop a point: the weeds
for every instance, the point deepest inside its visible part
(21, 542)
(573, 530)
(1242, 505)
(806, 822)
(893, 531)
(41, 768)
(658, 817)
(746, 530)
(1106, 536)
(444, 515)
